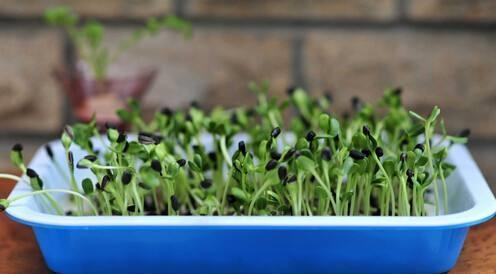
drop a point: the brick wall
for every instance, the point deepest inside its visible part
(442, 52)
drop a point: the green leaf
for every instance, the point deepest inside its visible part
(124, 115)
(378, 181)
(240, 194)
(434, 114)
(422, 161)
(417, 116)
(112, 134)
(304, 163)
(60, 16)
(87, 186)
(93, 33)
(335, 129)
(198, 161)
(348, 163)
(149, 177)
(324, 122)
(457, 140)
(302, 143)
(441, 153)
(194, 167)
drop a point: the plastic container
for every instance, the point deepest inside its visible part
(197, 244)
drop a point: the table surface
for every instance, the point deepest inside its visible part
(19, 252)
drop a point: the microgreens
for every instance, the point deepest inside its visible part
(379, 161)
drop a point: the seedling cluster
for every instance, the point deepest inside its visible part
(381, 160)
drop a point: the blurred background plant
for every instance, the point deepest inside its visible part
(93, 91)
(440, 52)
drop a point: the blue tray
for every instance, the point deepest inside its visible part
(197, 244)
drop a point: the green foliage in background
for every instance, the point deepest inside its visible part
(88, 37)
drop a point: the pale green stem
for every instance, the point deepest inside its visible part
(66, 191)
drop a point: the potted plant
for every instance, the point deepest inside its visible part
(89, 86)
(244, 188)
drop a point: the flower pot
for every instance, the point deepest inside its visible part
(89, 96)
(231, 244)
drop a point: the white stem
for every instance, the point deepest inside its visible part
(10, 177)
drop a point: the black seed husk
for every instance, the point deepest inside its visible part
(49, 151)
(70, 158)
(194, 104)
(282, 172)
(121, 138)
(17, 147)
(290, 90)
(234, 118)
(91, 158)
(188, 117)
(242, 147)
(291, 179)
(409, 182)
(366, 151)
(419, 146)
(231, 199)
(271, 165)
(366, 130)
(105, 181)
(250, 112)
(289, 154)
(126, 147)
(213, 156)
(175, 203)
(275, 155)
(206, 183)
(146, 138)
(275, 132)
(310, 136)
(379, 152)
(397, 91)
(166, 111)
(144, 186)
(464, 133)
(126, 178)
(68, 130)
(31, 173)
(155, 164)
(326, 154)
(181, 162)
(409, 173)
(356, 103)
(357, 155)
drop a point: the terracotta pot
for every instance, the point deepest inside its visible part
(90, 96)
